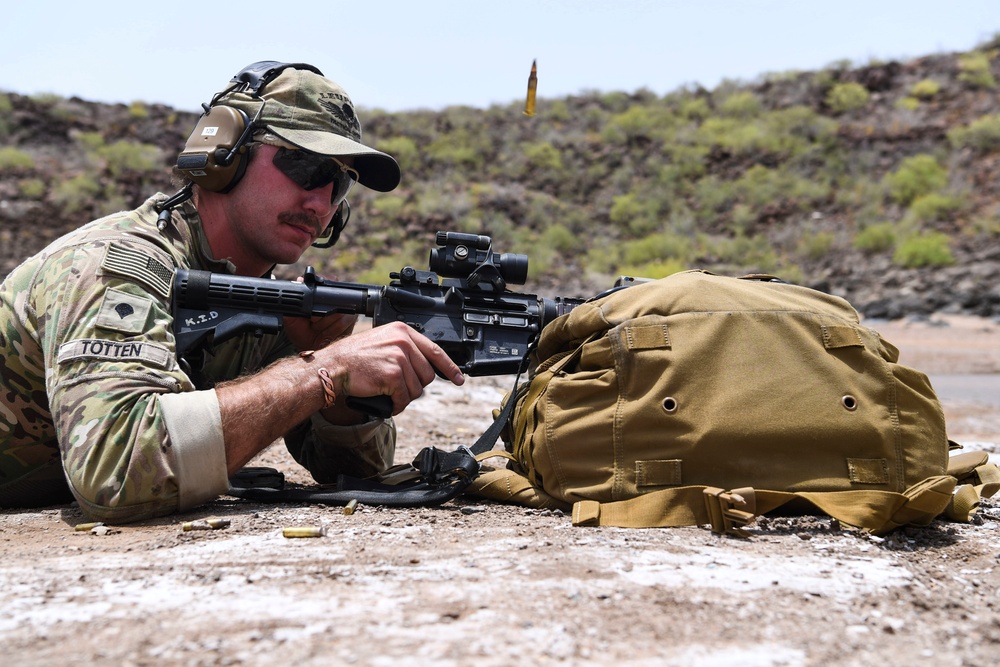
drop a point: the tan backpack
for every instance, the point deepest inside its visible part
(703, 399)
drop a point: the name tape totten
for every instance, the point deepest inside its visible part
(112, 350)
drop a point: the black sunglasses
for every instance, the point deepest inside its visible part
(310, 171)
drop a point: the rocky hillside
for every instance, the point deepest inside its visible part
(880, 183)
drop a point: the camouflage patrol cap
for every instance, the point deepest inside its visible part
(313, 113)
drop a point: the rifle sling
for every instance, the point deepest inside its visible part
(397, 497)
(442, 477)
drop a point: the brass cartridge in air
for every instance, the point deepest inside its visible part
(529, 103)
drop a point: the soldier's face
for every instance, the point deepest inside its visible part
(273, 219)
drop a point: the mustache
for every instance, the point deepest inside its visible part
(300, 219)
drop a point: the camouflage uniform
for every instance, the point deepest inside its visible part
(91, 392)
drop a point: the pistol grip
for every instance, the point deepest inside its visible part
(377, 406)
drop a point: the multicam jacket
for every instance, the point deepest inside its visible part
(91, 392)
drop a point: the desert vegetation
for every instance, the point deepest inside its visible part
(854, 178)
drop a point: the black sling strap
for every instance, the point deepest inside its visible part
(434, 477)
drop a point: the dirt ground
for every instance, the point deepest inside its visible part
(474, 583)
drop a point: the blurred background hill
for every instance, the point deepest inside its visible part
(876, 182)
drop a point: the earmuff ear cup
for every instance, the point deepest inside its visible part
(214, 158)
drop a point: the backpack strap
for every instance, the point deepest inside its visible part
(730, 511)
(983, 482)
(507, 486)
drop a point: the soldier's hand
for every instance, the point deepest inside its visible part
(391, 360)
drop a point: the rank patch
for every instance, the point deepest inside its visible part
(123, 312)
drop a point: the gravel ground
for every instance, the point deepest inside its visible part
(484, 584)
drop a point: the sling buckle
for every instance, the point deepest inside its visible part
(730, 511)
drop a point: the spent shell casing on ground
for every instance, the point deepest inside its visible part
(303, 531)
(87, 526)
(351, 506)
(205, 524)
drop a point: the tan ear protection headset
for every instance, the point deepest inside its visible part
(216, 154)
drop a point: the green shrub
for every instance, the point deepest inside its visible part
(925, 89)
(733, 134)
(981, 135)
(815, 246)
(624, 208)
(6, 107)
(655, 248)
(917, 175)
(801, 122)
(988, 225)
(75, 194)
(613, 134)
(62, 109)
(788, 132)
(746, 252)
(404, 149)
(685, 162)
(460, 149)
(712, 196)
(929, 249)
(561, 239)
(974, 70)
(110, 201)
(138, 110)
(15, 159)
(339, 265)
(761, 186)
(639, 215)
(742, 104)
(694, 108)
(91, 141)
(544, 157)
(635, 122)
(123, 156)
(557, 111)
(933, 207)
(653, 269)
(438, 203)
(603, 259)
(540, 211)
(31, 188)
(876, 238)
(863, 196)
(615, 100)
(379, 268)
(845, 97)
(743, 217)
(46, 99)
(908, 103)
(389, 206)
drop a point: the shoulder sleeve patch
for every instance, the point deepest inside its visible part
(113, 350)
(124, 312)
(140, 266)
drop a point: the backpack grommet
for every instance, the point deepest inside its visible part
(669, 405)
(849, 402)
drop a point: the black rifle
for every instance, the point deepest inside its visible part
(461, 304)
